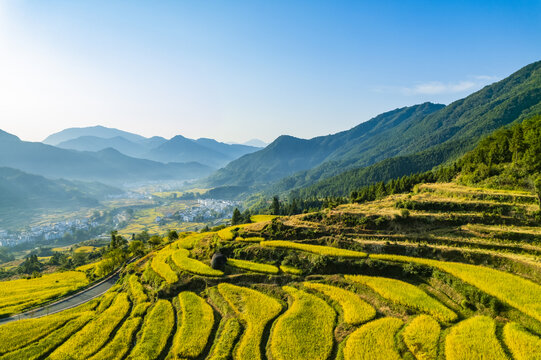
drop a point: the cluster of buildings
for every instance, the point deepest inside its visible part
(203, 210)
(44, 232)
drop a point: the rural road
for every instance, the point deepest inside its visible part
(68, 302)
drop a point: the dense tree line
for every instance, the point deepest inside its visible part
(509, 158)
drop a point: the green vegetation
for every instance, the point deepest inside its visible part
(315, 249)
(373, 341)
(94, 335)
(255, 309)
(162, 268)
(196, 320)
(522, 344)
(355, 310)
(155, 332)
(18, 334)
(181, 259)
(422, 337)
(223, 346)
(305, 330)
(38, 349)
(136, 290)
(474, 338)
(290, 270)
(252, 266)
(117, 348)
(405, 294)
(21, 294)
(514, 290)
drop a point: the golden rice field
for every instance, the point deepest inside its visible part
(22, 294)
(315, 249)
(384, 290)
(253, 266)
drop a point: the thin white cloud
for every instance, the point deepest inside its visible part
(439, 87)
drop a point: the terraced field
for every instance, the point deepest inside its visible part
(450, 278)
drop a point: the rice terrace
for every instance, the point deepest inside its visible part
(276, 180)
(314, 286)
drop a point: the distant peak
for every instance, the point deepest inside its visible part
(6, 136)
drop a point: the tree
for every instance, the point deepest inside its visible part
(155, 240)
(79, 258)
(275, 206)
(537, 183)
(136, 248)
(143, 236)
(117, 241)
(237, 217)
(172, 235)
(30, 265)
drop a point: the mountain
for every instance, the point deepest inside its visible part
(26, 196)
(444, 135)
(178, 149)
(288, 155)
(205, 151)
(393, 144)
(94, 143)
(108, 165)
(95, 131)
(20, 190)
(252, 142)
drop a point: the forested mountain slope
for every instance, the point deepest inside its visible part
(394, 144)
(287, 154)
(439, 137)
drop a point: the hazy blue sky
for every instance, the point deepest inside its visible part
(235, 70)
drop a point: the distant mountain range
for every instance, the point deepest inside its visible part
(107, 166)
(208, 152)
(392, 144)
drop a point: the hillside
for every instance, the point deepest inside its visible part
(108, 166)
(445, 272)
(20, 190)
(25, 196)
(507, 158)
(417, 143)
(287, 154)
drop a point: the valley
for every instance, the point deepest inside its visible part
(436, 273)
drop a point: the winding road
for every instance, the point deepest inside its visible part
(68, 302)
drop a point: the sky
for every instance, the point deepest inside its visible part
(236, 70)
